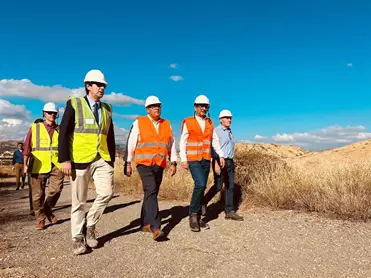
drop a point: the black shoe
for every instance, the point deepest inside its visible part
(193, 222)
(233, 216)
(203, 210)
(17, 188)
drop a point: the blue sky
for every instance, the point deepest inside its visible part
(292, 72)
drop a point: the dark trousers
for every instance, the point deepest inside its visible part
(151, 177)
(200, 172)
(226, 176)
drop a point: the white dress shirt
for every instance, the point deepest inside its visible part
(184, 138)
(134, 137)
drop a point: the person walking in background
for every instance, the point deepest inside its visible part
(225, 174)
(29, 174)
(18, 166)
(195, 154)
(151, 141)
(87, 150)
(42, 144)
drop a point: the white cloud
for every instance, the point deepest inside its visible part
(350, 65)
(257, 137)
(129, 117)
(173, 66)
(13, 129)
(121, 135)
(176, 78)
(10, 110)
(26, 89)
(329, 137)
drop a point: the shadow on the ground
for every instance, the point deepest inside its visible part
(119, 206)
(177, 213)
(216, 208)
(69, 205)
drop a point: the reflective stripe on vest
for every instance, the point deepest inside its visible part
(89, 137)
(152, 147)
(44, 150)
(198, 142)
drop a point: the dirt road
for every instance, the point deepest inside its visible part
(266, 244)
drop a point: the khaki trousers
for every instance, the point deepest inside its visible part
(43, 208)
(102, 174)
(19, 174)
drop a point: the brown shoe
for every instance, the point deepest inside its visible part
(91, 237)
(52, 219)
(40, 223)
(158, 234)
(146, 229)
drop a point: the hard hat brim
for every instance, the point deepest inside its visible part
(152, 104)
(100, 81)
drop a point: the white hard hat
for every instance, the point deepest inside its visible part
(225, 113)
(201, 99)
(152, 100)
(50, 107)
(95, 76)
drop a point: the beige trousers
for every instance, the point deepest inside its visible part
(102, 174)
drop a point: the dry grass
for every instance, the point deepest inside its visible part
(338, 189)
(6, 171)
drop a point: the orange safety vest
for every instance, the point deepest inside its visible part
(152, 147)
(198, 143)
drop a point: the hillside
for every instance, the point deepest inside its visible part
(281, 151)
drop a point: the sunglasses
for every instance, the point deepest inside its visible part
(51, 113)
(206, 106)
(99, 84)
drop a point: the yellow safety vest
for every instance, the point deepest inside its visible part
(44, 149)
(89, 138)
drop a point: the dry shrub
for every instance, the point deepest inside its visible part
(342, 190)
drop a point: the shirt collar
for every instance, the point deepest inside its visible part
(224, 128)
(92, 102)
(199, 118)
(153, 119)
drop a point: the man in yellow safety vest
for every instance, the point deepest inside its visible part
(87, 150)
(42, 143)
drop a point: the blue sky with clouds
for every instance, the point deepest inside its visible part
(291, 72)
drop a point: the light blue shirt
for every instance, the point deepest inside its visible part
(226, 141)
(91, 103)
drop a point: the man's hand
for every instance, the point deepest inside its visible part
(172, 170)
(13, 168)
(217, 168)
(222, 162)
(25, 169)
(184, 164)
(128, 171)
(67, 168)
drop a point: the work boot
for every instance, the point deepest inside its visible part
(158, 234)
(233, 216)
(203, 210)
(52, 219)
(79, 246)
(91, 239)
(146, 229)
(193, 222)
(40, 223)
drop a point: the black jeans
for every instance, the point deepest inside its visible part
(226, 176)
(200, 172)
(151, 179)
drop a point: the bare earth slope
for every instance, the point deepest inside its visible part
(266, 244)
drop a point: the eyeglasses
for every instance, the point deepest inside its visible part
(153, 106)
(51, 113)
(206, 106)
